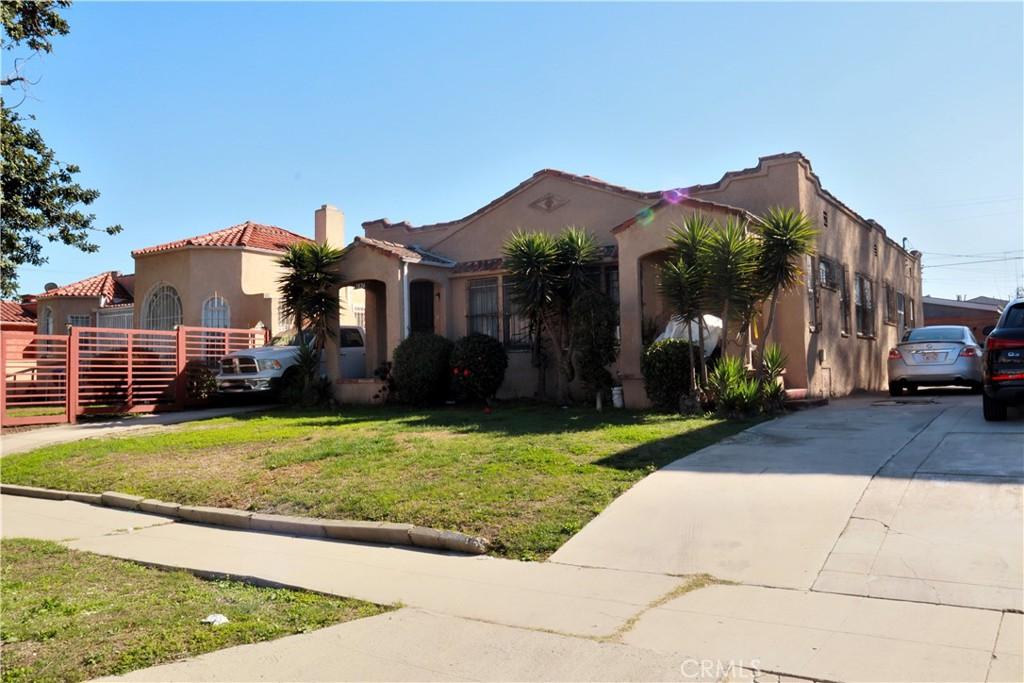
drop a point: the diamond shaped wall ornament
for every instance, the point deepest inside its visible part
(549, 203)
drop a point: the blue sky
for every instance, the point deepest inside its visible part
(192, 117)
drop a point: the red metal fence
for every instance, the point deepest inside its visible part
(93, 370)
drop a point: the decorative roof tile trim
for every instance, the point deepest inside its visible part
(14, 312)
(411, 254)
(545, 172)
(110, 285)
(247, 235)
(799, 156)
(608, 251)
(676, 197)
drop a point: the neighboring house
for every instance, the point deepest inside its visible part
(226, 278)
(977, 313)
(103, 300)
(449, 277)
(18, 316)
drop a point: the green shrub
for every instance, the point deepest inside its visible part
(421, 368)
(478, 364)
(731, 391)
(200, 380)
(666, 369)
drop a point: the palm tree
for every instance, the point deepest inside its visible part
(548, 274)
(731, 256)
(532, 261)
(680, 284)
(309, 289)
(689, 247)
(786, 236)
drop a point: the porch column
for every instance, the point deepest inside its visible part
(630, 329)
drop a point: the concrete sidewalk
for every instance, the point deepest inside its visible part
(20, 442)
(869, 543)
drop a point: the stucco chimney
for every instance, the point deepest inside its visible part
(329, 227)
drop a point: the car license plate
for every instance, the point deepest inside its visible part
(930, 356)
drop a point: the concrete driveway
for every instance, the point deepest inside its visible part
(916, 501)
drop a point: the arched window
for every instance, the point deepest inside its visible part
(47, 320)
(162, 310)
(216, 312)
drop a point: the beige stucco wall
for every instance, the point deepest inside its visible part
(63, 306)
(247, 279)
(850, 362)
(595, 209)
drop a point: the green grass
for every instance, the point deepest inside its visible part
(526, 477)
(72, 616)
(36, 411)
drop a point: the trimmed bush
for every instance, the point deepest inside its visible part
(421, 368)
(666, 369)
(478, 365)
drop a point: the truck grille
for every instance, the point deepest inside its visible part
(236, 366)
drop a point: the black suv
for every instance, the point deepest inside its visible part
(1003, 362)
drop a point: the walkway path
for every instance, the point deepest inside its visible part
(30, 439)
(571, 618)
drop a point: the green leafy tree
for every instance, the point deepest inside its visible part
(40, 199)
(786, 237)
(548, 274)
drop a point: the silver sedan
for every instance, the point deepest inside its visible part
(935, 356)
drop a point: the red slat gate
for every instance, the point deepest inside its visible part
(92, 370)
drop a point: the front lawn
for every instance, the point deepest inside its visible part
(526, 477)
(72, 616)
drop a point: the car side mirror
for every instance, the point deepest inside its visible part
(987, 330)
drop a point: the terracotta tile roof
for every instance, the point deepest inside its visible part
(658, 198)
(112, 285)
(15, 312)
(412, 254)
(244, 235)
(545, 172)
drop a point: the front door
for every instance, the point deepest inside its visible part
(421, 306)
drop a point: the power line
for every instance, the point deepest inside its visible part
(967, 263)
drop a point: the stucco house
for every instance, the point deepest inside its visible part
(448, 277)
(18, 316)
(103, 300)
(228, 278)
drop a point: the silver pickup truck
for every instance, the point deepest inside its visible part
(265, 368)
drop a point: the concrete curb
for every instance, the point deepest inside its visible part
(385, 533)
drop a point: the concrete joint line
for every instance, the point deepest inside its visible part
(385, 533)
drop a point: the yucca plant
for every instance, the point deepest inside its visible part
(684, 279)
(309, 295)
(786, 236)
(548, 274)
(731, 258)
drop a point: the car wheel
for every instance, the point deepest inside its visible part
(993, 409)
(911, 388)
(283, 382)
(977, 388)
(895, 389)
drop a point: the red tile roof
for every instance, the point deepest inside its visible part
(246, 235)
(14, 312)
(112, 285)
(406, 253)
